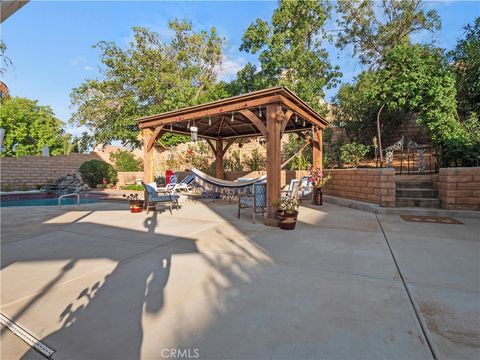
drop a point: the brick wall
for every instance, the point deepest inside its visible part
(29, 171)
(459, 188)
(370, 185)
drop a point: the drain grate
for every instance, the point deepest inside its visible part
(26, 336)
(431, 219)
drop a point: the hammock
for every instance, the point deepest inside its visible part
(223, 187)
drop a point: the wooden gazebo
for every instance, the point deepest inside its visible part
(269, 113)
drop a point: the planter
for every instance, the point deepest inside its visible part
(135, 206)
(317, 198)
(287, 221)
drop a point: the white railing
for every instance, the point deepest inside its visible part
(66, 195)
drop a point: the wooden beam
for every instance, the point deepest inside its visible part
(309, 117)
(214, 111)
(288, 115)
(317, 148)
(229, 143)
(275, 118)
(154, 137)
(147, 156)
(219, 158)
(255, 120)
(209, 142)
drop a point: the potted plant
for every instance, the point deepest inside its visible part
(134, 203)
(318, 180)
(287, 213)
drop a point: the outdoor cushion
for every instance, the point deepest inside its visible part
(162, 198)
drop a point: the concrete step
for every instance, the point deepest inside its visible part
(417, 202)
(416, 193)
(414, 185)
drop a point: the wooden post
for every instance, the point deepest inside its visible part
(317, 148)
(275, 119)
(219, 158)
(147, 156)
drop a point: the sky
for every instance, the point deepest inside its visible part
(50, 42)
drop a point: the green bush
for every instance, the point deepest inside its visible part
(94, 171)
(125, 161)
(353, 153)
(256, 161)
(132, 187)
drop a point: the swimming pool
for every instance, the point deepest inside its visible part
(48, 202)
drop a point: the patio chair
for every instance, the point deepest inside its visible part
(154, 196)
(305, 188)
(255, 198)
(184, 185)
(292, 190)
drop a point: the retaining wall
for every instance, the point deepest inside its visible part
(370, 185)
(27, 172)
(459, 188)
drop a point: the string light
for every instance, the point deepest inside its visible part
(188, 126)
(303, 122)
(260, 112)
(209, 121)
(296, 118)
(232, 119)
(171, 127)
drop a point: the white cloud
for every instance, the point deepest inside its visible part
(76, 61)
(88, 68)
(230, 66)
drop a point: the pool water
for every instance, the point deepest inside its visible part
(47, 202)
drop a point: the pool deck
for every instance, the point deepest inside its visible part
(98, 282)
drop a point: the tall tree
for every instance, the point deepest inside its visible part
(148, 77)
(466, 63)
(290, 51)
(29, 127)
(373, 28)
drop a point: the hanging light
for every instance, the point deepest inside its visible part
(232, 119)
(296, 118)
(209, 121)
(259, 112)
(194, 132)
(188, 126)
(303, 122)
(171, 127)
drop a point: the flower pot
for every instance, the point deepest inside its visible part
(317, 196)
(287, 221)
(135, 206)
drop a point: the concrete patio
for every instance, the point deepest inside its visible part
(97, 282)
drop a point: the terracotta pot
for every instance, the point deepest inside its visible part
(136, 209)
(135, 206)
(317, 198)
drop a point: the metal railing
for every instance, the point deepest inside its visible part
(66, 195)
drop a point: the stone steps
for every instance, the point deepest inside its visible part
(417, 202)
(416, 192)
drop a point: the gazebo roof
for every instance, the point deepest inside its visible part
(236, 117)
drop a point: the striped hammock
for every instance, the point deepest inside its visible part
(223, 187)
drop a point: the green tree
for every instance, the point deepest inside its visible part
(290, 52)
(466, 64)
(255, 161)
(148, 77)
(126, 161)
(373, 28)
(29, 127)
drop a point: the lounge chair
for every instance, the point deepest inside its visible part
(182, 186)
(305, 189)
(154, 196)
(255, 198)
(292, 190)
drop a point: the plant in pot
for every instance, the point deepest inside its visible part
(287, 213)
(318, 180)
(134, 203)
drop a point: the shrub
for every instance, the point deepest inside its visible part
(94, 171)
(353, 153)
(132, 187)
(256, 161)
(125, 161)
(233, 163)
